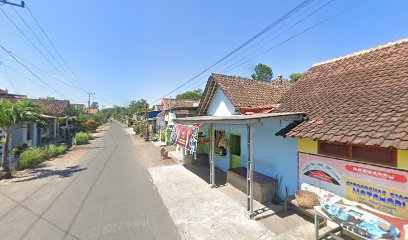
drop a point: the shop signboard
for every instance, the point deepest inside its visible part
(383, 189)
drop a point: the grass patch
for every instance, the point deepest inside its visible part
(56, 150)
(81, 138)
(32, 157)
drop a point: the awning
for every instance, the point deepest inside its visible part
(242, 119)
(47, 116)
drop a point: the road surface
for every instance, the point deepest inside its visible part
(108, 196)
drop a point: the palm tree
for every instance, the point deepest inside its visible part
(12, 115)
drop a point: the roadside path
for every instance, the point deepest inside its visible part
(201, 212)
(107, 195)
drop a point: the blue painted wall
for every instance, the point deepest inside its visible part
(273, 155)
(223, 162)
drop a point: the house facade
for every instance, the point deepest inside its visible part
(355, 141)
(56, 131)
(170, 110)
(34, 135)
(227, 105)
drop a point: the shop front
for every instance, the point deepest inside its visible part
(365, 198)
(249, 150)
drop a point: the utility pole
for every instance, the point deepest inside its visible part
(21, 4)
(89, 101)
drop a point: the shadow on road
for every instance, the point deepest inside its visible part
(45, 173)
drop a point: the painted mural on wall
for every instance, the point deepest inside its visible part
(383, 189)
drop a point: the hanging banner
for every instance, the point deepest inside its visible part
(186, 136)
(383, 189)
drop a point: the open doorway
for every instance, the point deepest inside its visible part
(235, 150)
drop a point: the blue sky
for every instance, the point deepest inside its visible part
(126, 50)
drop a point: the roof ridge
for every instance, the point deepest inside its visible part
(243, 78)
(231, 76)
(365, 51)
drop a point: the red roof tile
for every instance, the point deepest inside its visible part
(242, 92)
(364, 96)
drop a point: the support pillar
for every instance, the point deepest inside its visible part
(212, 160)
(55, 129)
(35, 134)
(250, 174)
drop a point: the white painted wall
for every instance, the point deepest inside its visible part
(160, 123)
(221, 105)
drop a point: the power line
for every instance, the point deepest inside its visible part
(294, 25)
(53, 46)
(22, 3)
(41, 43)
(268, 28)
(257, 43)
(234, 65)
(28, 78)
(35, 75)
(32, 44)
(17, 71)
(48, 74)
(7, 76)
(299, 33)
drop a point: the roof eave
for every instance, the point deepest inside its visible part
(244, 119)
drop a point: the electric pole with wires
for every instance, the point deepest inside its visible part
(89, 101)
(21, 4)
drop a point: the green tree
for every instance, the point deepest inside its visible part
(295, 76)
(138, 106)
(262, 73)
(190, 95)
(12, 115)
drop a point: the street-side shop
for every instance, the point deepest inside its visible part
(243, 137)
(264, 160)
(354, 144)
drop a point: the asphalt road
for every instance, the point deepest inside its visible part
(108, 196)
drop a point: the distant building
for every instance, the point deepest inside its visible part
(4, 94)
(81, 107)
(93, 111)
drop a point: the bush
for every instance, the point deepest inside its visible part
(55, 150)
(136, 129)
(61, 149)
(163, 135)
(81, 138)
(90, 125)
(52, 150)
(32, 157)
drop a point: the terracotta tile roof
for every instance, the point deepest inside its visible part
(55, 108)
(242, 92)
(176, 103)
(4, 94)
(359, 99)
(258, 109)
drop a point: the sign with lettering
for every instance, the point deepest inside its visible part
(381, 188)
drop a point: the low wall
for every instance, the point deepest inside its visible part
(263, 190)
